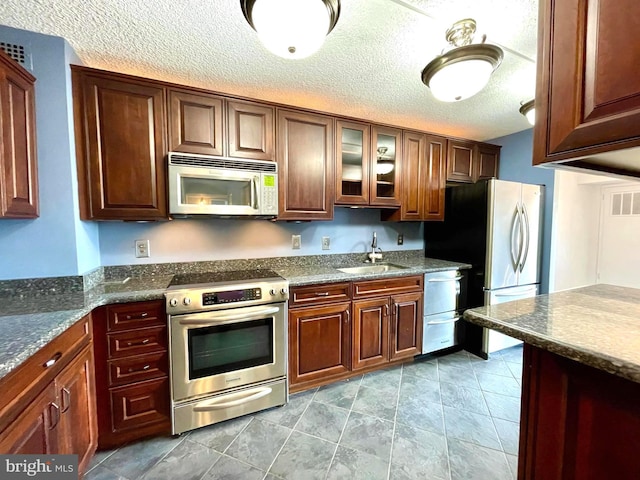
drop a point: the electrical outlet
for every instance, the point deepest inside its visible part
(296, 242)
(143, 249)
(400, 239)
(326, 243)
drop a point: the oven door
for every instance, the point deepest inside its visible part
(199, 190)
(220, 350)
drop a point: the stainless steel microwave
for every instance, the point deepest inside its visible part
(221, 186)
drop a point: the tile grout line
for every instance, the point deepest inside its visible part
(344, 427)
(444, 423)
(395, 419)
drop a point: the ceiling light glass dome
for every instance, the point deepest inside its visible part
(529, 110)
(463, 71)
(292, 29)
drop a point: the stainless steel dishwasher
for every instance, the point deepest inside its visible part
(441, 318)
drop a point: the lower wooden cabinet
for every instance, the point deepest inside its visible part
(56, 414)
(132, 372)
(332, 337)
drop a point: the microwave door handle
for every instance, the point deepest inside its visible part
(209, 406)
(254, 193)
(225, 318)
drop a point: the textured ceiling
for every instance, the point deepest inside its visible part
(369, 66)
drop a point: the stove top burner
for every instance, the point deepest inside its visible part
(218, 278)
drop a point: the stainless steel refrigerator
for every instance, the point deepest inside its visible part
(496, 226)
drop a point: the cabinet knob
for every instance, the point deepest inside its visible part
(348, 317)
(54, 413)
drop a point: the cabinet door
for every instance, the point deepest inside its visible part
(136, 406)
(487, 161)
(434, 178)
(406, 325)
(413, 167)
(195, 123)
(386, 166)
(319, 342)
(460, 159)
(353, 142)
(121, 152)
(306, 166)
(35, 430)
(370, 344)
(251, 131)
(588, 89)
(18, 165)
(78, 422)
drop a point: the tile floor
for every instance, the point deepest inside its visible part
(447, 418)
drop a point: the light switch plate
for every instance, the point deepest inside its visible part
(296, 242)
(143, 250)
(326, 243)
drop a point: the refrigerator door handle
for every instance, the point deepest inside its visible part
(515, 223)
(527, 239)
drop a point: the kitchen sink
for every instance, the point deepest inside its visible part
(373, 268)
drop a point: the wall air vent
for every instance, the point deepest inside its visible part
(627, 203)
(19, 53)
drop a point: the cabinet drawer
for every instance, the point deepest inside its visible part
(440, 331)
(137, 405)
(135, 315)
(137, 342)
(387, 286)
(141, 367)
(317, 294)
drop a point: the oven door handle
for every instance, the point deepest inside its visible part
(252, 395)
(218, 318)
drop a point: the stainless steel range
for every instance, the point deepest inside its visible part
(228, 345)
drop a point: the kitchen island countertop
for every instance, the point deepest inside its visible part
(30, 322)
(598, 326)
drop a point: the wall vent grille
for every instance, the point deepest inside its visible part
(626, 203)
(20, 53)
(222, 162)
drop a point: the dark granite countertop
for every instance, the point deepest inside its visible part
(597, 325)
(28, 322)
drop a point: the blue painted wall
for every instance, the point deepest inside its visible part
(516, 165)
(57, 243)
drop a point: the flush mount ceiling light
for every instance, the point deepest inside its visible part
(465, 69)
(292, 28)
(529, 110)
(384, 165)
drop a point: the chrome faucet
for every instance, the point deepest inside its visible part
(372, 255)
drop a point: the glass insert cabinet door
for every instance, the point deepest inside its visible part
(385, 166)
(353, 155)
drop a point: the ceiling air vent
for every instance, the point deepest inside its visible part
(19, 53)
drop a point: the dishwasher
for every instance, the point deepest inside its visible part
(442, 326)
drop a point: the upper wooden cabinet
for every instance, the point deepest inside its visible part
(195, 123)
(469, 161)
(121, 149)
(386, 166)
(251, 128)
(423, 182)
(588, 87)
(305, 166)
(18, 164)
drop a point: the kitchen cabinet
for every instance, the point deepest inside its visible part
(18, 163)
(121, 148)
(370, 332)
(305, 155)
(406, 325)
(588, 90)
(353, 163)
(423, 182)
(48, 403)
(195, 123)
(251, 128)
(132, 372)
(386, 166)
(469, 162)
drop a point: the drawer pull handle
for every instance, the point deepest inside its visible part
(322, 294)
(142, 315)
(348, 319)
(51, 362)
(450, 279)
(54, 412)
(442, 322)
(143, 342)
(146, 367)
(66, 399)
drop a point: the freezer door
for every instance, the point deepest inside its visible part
(493, 341)
(531, 216)
(504, 234)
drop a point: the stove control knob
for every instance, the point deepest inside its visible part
(283, 291)
(272, 291)
(173, 302)
(186, 301)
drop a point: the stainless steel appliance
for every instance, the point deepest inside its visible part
(441, 319)
(495, 226)
(227, 345)
(228, 187)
